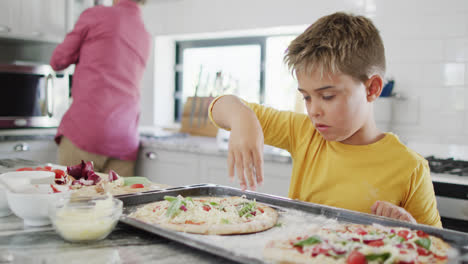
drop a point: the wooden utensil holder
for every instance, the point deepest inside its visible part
(198, 122)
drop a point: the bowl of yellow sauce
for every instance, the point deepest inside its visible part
(85, 219)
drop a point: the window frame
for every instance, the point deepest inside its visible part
(206, 43)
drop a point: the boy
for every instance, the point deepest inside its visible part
(340, 158)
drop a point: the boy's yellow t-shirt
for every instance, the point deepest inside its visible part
(353, 177)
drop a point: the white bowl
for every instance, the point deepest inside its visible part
(19, 180)
(33, 207)
(4, 209)
(28, 195)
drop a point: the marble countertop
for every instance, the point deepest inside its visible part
(28, 245)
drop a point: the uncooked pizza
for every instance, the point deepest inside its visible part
(359, 244)
(208, 215)
(82, 180)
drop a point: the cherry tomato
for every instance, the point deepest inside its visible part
(423, 251)
(49, 168)
(206, 208)
(317, 250)
(356, 257)
(376, 243)
(59, 173)
(361, 231)
(421, 233)
(404, 234)
(54, 189)
(409, 246)
(25, 169)
(300, 249)
(440, 257)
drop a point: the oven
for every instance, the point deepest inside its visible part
(33, 95)
(450, 180)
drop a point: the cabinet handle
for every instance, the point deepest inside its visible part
(21, 147)
(49, 91)
(151, 155)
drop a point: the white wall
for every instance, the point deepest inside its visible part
(426, 45)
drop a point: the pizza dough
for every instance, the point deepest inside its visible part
(208, 215)
(353, 243)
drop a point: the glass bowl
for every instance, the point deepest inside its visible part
(85, 219)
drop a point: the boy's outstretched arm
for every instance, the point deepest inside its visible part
(245, 154)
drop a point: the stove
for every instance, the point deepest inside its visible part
(450, 180)
(448, 166)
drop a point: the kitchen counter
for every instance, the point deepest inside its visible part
(27, 134)
(154, 137)
(206, 146)
(20, 244)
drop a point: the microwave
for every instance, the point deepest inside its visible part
(33, 95)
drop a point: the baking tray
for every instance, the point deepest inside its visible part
(295, 215)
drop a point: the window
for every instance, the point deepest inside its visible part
(251, 68)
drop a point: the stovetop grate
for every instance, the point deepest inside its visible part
(449, 166)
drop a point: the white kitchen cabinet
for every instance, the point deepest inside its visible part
(74, 8)
(42, 151)
(7, 15)
(179, 168)
(168, 167)
(43, 18)
(33, 19)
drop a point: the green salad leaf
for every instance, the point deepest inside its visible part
(378, 257)
(175, 203)
(174, 208)
(308, 241)
(424, 242)
(247, 208)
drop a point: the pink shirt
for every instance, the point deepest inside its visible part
(110, 47)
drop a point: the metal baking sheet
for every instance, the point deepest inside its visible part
(294, 215)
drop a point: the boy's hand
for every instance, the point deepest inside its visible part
(387, 209)
(245, 154)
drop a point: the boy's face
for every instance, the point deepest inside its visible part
(337, 105)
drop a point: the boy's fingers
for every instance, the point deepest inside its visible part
(374, 207)
(404, 217)
(387, 210)
(395, 213)
(230, 163)
(378, 210)
(248, 169)
(258, 161)
(240, 170)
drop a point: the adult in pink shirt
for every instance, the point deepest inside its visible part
(110, 47)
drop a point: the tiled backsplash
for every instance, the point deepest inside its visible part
(426, 46)
(427, 54)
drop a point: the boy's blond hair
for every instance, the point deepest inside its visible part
(338, 43)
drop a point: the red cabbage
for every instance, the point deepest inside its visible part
(76, 182)
(86, 182)
(75, 171)
(113, 175)
(92, 176)
(88, 166)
